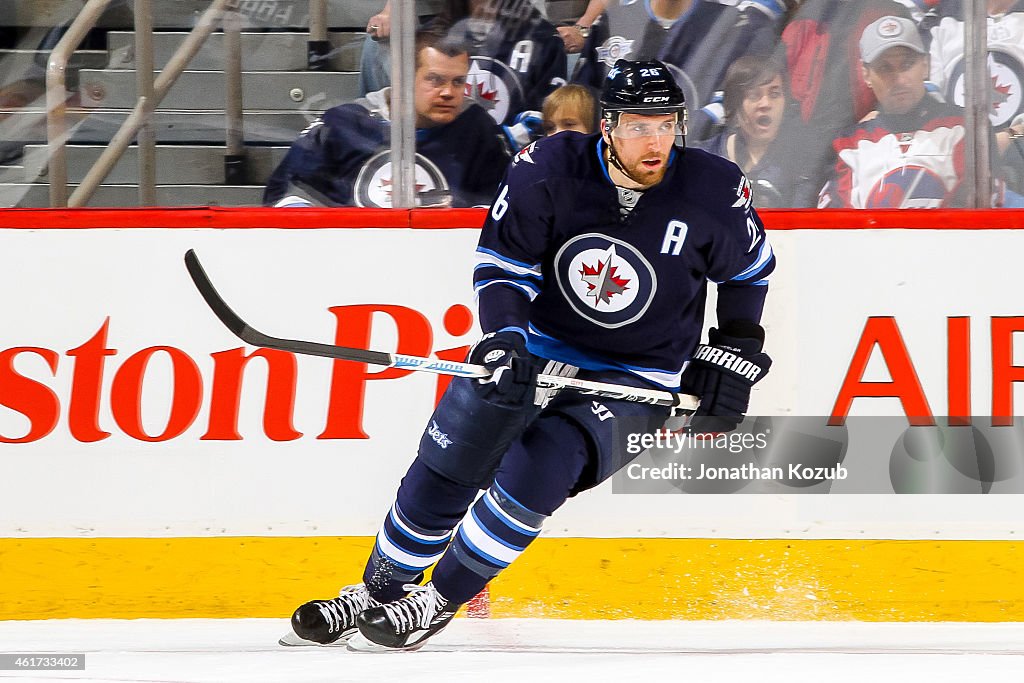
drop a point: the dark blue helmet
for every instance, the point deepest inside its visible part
(645, 88)
(641, 88)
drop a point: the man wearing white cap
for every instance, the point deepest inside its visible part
(909, 152)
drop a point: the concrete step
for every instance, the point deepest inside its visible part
(182, 14)
(175, 164)
(18, 64)
(25, 126)
(37, 195)
(197, 90)
(260, 51)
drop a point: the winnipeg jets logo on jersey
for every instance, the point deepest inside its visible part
(374, 182)
(614, 49)
(908, 187)
(602, 280)
(1007, 79)
(605, 280)
(525, 154)
(495, 87)
(438, 436)
(744, 194)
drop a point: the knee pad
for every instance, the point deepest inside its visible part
(466, 436)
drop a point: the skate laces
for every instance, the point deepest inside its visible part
(415, 610)
(340, 612)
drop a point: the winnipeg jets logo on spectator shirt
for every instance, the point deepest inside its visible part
(605, 280)
(1007, 79)
(373, 184)
(907, 187)
(614, 49)
(495, 87)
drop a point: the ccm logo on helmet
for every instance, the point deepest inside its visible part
(655, 99)
(727, 360)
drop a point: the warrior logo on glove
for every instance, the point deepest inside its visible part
(722, 373)
(728, 361)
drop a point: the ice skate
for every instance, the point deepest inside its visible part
(329, 622)
(404, 624)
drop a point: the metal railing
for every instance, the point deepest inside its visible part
(151, 91)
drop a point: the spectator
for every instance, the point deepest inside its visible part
(909, 153)
(755, 101)
(708, 37)
(375, 58)
(571, 107)
(625, 30)
(343, 159)
(820, 47)
(1005, 31)
(574, 37)
(518, 57)
(1005, 61)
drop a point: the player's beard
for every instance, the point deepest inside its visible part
(638, 172)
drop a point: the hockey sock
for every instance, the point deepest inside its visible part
(493, 534)
(415, 532)
(536, 476)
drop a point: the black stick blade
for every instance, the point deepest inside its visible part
(213, 298)
(251, 335)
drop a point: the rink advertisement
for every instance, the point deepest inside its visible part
(129, 415)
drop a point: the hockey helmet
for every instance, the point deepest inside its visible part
(641, 88)
(645, 88)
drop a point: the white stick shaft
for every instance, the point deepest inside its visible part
(445, 367)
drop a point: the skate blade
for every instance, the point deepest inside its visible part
(291, 640)
(360, 643)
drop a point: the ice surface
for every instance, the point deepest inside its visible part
(533, 650)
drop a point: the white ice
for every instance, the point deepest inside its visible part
(533, 650)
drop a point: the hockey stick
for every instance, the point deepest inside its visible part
(250, 335)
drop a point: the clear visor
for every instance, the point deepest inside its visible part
(629, 130)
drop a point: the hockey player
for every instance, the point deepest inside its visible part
(593, 262)
(343, 158)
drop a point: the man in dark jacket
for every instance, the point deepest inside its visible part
(343, 158)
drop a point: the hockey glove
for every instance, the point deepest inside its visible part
(527, 127)
(722, 372)
(512, 370)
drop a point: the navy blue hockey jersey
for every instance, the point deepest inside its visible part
(342, 159)
(603, 289)
(515, 63)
